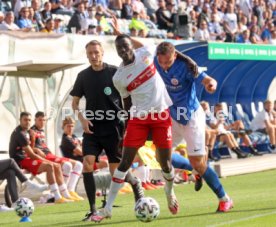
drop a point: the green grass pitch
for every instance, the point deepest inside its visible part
(254, 198)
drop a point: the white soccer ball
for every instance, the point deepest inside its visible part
(146, 209)
(24, 207)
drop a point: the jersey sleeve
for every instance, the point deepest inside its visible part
(22, 140)
(78, 87)
(119, 86)
(67, 145)
(201, 77)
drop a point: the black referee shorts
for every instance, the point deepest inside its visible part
(111, 143)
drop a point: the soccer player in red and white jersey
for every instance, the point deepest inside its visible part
(145, 95)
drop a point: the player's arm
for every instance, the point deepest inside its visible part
(39, 152)
(30, 152)
(84, 122)
(190, 62)
(210, 84)
(77, 151)
(136, 43)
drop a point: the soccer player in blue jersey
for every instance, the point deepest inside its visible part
(187, 114)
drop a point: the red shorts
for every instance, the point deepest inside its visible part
(51, 157)
(138, 130)
(31, 165)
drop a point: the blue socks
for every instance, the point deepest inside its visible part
(179, 162)
(213, 182)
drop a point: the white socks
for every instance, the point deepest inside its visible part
(54, 190)
(141, 173)
(117, 182)
(66, 171)
(169, 177)
(74, 176)
(63, 191)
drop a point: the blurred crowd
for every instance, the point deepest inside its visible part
(242, 21)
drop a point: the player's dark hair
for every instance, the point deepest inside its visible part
(93, 43)
(39, 114)
(24, 113)
(165, 48)
(122, 36)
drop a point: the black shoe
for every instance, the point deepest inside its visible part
(198, 182)
(212, 157)
(254, 151)
(87, 217)
(240, 153)
(138, 190)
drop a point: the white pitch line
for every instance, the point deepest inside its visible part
(242, 219)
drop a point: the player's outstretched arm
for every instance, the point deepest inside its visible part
(191, 63)
(210, 84)
(136, 44)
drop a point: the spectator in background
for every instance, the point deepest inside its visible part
(59, 8)
(127, 11)
(71, 146)
(37, 18)
(204, 15)
(138, 6)
(267, 32)
(151, 7)
(257, 11)
(2, 16)
(24, 21)
(264, 122)
(215, 30)
(58, 26)
(273, 42)
(255, 37)
(230, 23)
(46, 12)
(78, 20)
(202, 34)
(49, 26)
(137, 26)
(244, 37)
(116, 6)
(18, 5)
(163, 21)
(8, 23)
(103, 26)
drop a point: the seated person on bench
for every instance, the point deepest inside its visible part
(9, 171)
(71, 146)
(27, 158)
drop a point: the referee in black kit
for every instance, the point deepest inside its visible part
(102, 128)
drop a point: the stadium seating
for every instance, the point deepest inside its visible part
(243, 85)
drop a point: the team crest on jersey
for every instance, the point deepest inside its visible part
(146, 60)
(35, 162)
(174, 81)
(107, 90)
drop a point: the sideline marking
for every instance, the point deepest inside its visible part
(242, 219)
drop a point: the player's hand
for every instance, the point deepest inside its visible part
(115, 25)
(85, 126)
(211, 86)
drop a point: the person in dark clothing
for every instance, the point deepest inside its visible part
(100, 121)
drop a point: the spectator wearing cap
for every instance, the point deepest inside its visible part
(8, 23)
(58, 26)
(138, 26)
(46, 12)
(49, 26)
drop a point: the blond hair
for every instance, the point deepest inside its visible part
(67, 120)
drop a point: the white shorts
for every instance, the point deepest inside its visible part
(193, 133)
